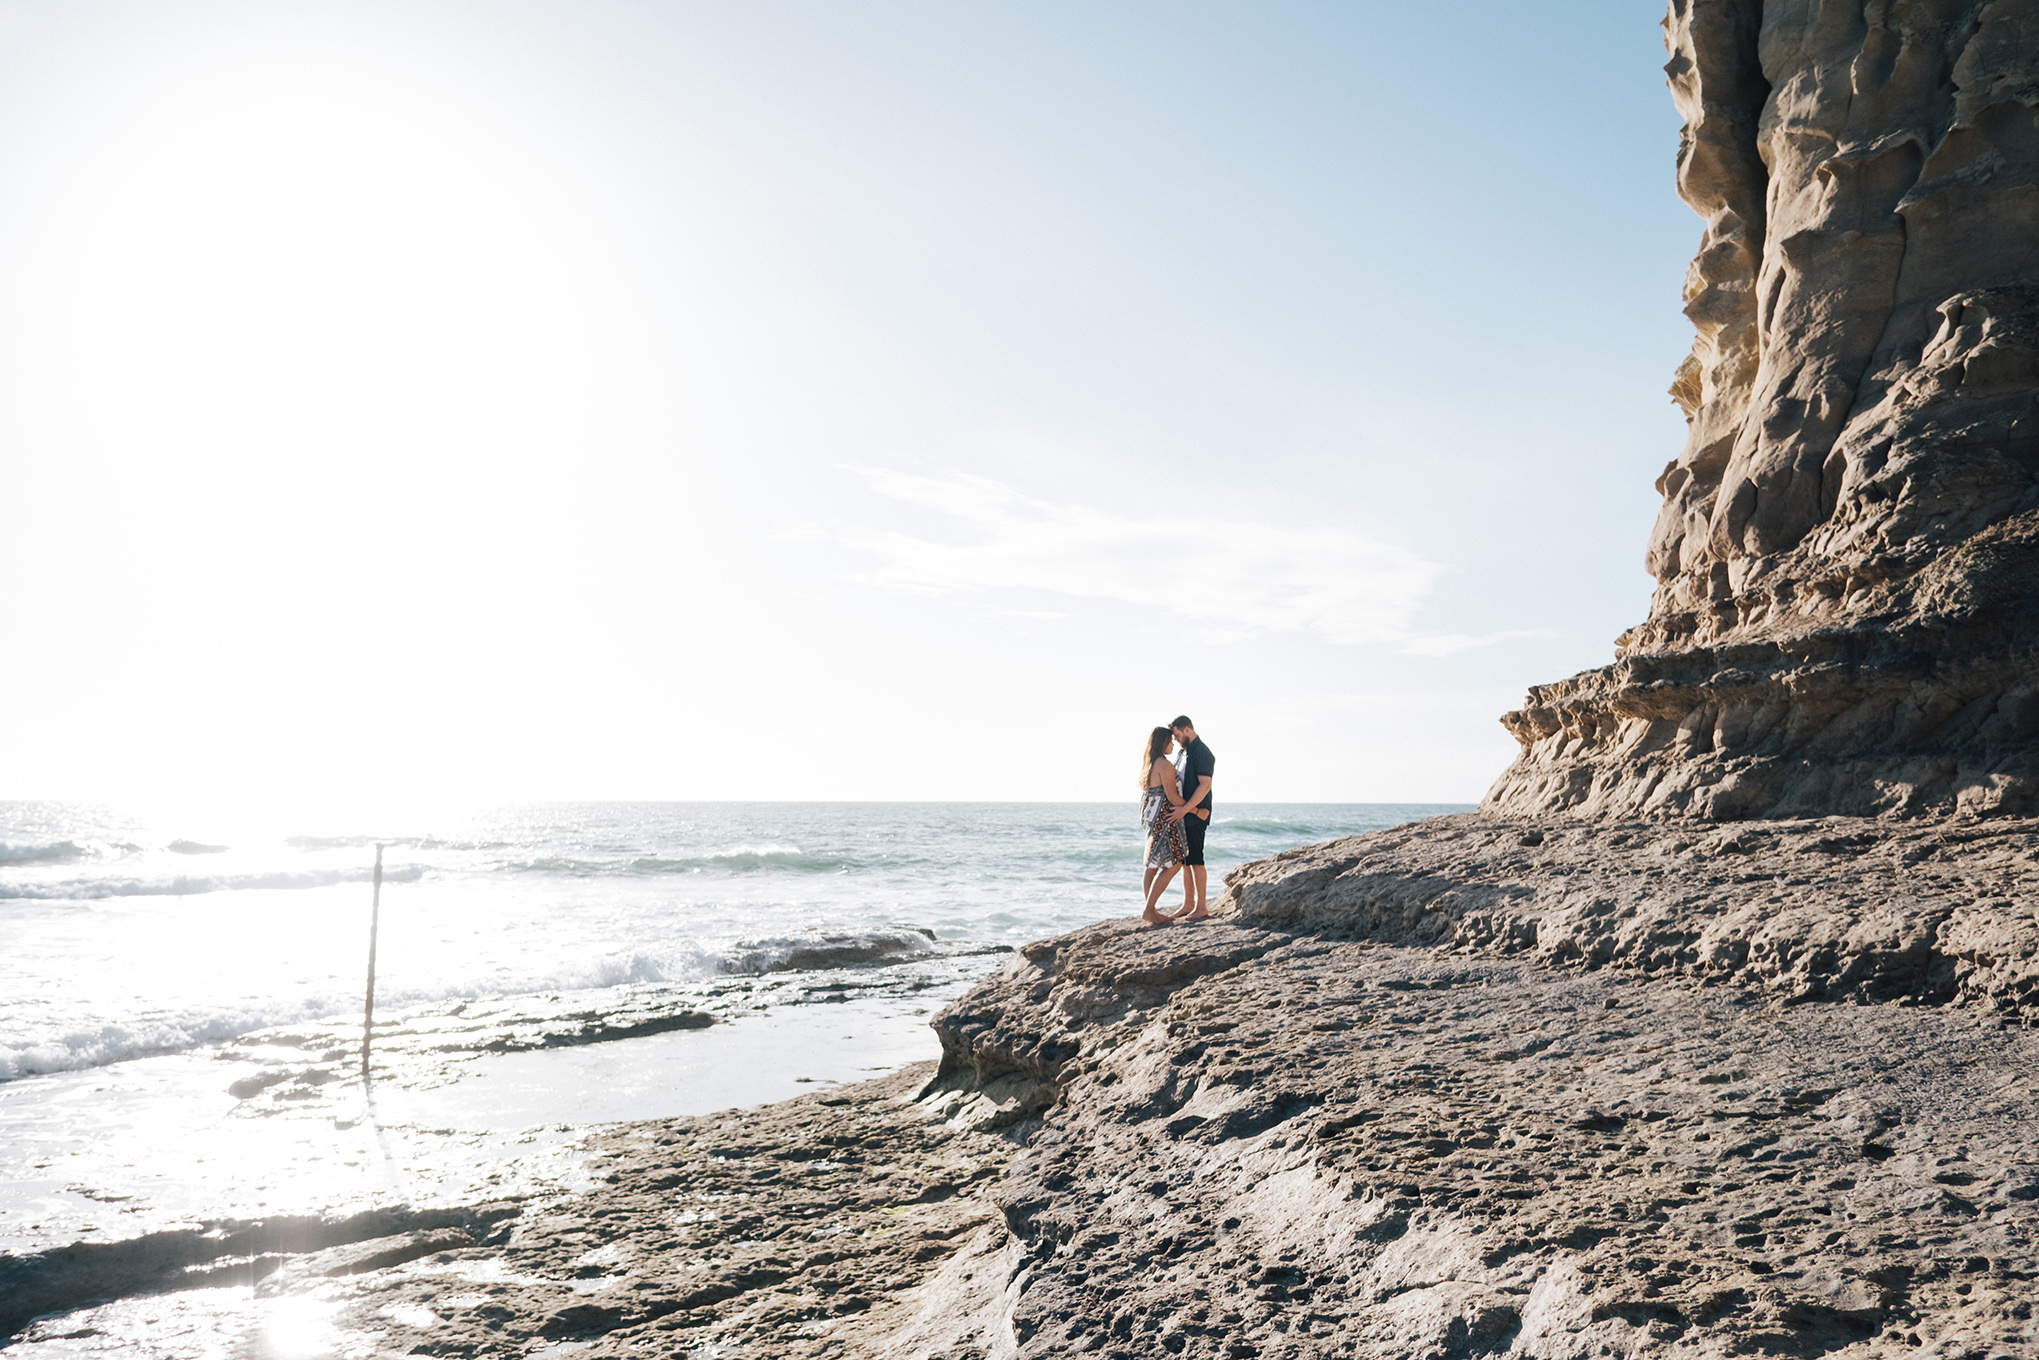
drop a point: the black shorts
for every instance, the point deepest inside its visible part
(1193, 828)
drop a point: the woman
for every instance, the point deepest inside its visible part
(1166, 843)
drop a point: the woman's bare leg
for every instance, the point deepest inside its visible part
(1155, 888)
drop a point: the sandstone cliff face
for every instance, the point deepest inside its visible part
(1847, 614)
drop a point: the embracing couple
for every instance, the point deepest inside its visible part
(1176, 810)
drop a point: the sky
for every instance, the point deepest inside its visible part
(807, 399)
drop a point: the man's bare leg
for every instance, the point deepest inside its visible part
(1193, 885)
(1158, 885)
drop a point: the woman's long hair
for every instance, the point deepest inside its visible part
(1157, 747)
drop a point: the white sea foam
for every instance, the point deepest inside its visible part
(142, 1037)
(636, 965)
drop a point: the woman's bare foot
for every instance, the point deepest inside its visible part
(1156, 918)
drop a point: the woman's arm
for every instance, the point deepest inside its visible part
(1163, 768)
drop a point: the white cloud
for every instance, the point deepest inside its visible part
(1235, 577)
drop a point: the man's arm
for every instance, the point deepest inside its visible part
(1189, 805)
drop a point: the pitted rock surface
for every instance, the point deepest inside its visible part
(1338, 1147)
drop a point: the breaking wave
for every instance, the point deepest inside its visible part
(856, 949)
(746, 860)
(61, 852)
(142, 1037)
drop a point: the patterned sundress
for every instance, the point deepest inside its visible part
(1167, 844)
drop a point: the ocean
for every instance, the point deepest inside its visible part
(180, 996)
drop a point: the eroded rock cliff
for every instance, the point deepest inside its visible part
(1847, 611)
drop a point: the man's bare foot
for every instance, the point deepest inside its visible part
(1198, 915)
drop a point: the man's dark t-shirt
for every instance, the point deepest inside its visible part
(1197, 760)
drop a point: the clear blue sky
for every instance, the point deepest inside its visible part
(820, 399)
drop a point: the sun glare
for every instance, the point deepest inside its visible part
(294, 1329)
(324, 344)
(259, 246)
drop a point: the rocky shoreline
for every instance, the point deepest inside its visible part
(1475, 1086)
(1603, 1070)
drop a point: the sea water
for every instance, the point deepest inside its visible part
(154, 969)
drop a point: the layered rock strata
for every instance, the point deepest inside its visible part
(1847, 611)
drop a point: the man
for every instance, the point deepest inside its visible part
(1193, 771)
